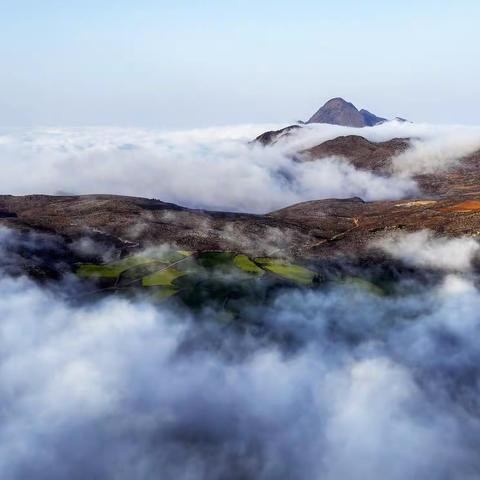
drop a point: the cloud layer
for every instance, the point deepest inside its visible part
(215, 168)
(375, 387)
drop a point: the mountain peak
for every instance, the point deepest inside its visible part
(338, 111)
(338, 101)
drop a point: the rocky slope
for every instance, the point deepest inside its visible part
(310, 229)
(448, 203)
(359, 151)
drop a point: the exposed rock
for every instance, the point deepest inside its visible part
(362, 153)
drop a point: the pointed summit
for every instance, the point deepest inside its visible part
(338, 111)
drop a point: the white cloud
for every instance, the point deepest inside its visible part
(433, 147)
(439, 152)
(107, 390)
(426, 249)
(217, 168)
(210, 168)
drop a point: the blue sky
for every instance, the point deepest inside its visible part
(181, 64)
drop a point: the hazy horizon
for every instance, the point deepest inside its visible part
(155, 64)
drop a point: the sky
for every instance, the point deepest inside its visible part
(189, 63)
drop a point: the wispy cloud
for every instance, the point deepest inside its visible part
(425, 249)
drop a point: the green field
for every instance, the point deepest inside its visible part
(199, 279)
(244, 263)
(289, 271)
(220, 273)
(162, 278)
(115, 269)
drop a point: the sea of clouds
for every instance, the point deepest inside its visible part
(376, 387)
(218, 168)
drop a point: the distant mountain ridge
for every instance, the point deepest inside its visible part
(338, 111)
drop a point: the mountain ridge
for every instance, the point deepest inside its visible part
(335, 111)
